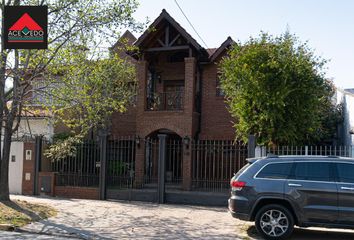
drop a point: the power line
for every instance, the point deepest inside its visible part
(190, 23)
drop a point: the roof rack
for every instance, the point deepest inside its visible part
(269, 155)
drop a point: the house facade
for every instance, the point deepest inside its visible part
(178, 86)
(178, 95)
(178, 132)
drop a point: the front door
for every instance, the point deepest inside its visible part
(312, 187)
(345, 183)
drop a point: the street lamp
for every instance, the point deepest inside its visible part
(137, 140)
(186, 141)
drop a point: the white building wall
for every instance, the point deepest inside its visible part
(36, 126)
(16, 168)
(28, 127)
(347, 99)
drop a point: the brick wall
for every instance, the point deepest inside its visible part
(124, 124)
(28, 169)
(77, 192)
(216, 121)
(181, 121)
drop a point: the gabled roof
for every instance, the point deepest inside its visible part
(211, 51)
(128, 37)
(227, 43)
(165, 16)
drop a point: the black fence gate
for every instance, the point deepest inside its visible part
(79, 169)
(212, 165)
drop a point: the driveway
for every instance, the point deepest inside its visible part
(89, 219)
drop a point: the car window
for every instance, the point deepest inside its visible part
(275, 171)
(242, 170)
(345, 172)
(312, 171)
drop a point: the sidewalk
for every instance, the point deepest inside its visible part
(91, 219)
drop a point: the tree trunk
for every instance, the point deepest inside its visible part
(4, 176)
(4, 158)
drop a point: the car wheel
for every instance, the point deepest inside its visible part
(274, 222)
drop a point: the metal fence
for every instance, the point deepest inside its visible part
(151, 163)
(81, 168)
(174, 162)
(215, 162)
(165, 101)
(343, 151)
(120, 162)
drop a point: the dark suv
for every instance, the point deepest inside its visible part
(278, 192)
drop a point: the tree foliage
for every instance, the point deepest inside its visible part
(276, 89)
(86, 93)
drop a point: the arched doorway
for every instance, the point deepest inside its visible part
(173, 163)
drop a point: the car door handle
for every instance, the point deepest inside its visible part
(347, 188)
(294, 185)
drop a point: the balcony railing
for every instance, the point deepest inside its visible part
(165, 101)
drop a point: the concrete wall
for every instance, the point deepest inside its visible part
(347, 99)
(16, 168)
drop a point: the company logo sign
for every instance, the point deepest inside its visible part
(25, 27)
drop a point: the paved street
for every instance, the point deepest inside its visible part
(87, 219)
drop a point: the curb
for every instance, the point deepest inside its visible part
(7, 227)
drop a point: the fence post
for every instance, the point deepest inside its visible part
(258, 151)
(352, 150)
(103, 164)
(306, 150)
(251, 147)
(37, 162)
(161, 168)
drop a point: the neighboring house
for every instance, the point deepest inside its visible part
(34, 124)
(34, 121)
(346, 97)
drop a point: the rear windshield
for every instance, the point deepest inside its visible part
(242, 169)
(275, 171)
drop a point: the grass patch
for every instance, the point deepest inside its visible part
(19, 213)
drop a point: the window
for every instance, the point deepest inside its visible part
(345, 172)
(219, 91)
(276, 171)
(312, 171)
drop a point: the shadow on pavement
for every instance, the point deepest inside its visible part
(309, 234)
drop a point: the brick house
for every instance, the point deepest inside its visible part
(179, 112)
(178, 92)
(178, 86)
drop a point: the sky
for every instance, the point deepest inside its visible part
(327, 25)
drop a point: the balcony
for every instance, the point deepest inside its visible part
(165, 101)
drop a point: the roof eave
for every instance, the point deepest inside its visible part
(164, 15)
(227, 43)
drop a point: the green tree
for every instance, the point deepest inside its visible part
(85, 94)
(71, 23)
(276, 90)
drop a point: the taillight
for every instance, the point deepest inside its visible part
(237, 185)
